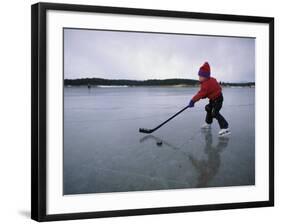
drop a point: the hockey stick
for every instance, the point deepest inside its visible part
(148, 131)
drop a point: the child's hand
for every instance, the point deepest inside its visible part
(191, 103)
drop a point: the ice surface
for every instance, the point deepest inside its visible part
(105, 152)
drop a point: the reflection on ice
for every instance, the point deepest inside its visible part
(207, 168)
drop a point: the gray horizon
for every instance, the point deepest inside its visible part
(141, 56)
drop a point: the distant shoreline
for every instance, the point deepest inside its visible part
(99, 82)
(175, 86)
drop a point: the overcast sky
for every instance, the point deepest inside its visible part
(136, 55)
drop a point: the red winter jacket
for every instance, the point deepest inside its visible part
(209, 88)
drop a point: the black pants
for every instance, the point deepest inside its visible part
(213, 111)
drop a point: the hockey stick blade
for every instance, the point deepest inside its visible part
(144, 130)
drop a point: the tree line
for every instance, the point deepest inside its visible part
(149, 82)
(127, 82)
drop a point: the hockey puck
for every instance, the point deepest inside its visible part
(159, 143)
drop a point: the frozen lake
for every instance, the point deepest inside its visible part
(104, 151)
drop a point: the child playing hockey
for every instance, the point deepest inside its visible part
(210, 88)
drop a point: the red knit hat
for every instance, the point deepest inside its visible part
(205, 70)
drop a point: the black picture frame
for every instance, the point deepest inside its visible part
(39, 107)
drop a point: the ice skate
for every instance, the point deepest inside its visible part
(206, 126)
(224, 132)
